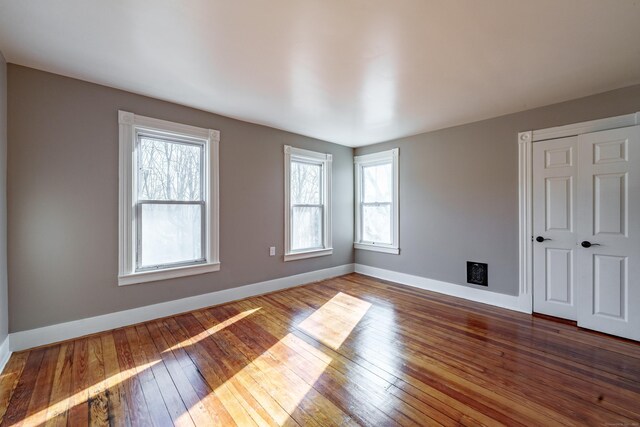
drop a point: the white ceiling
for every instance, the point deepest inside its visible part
(353, 72)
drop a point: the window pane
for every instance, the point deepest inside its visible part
(306, 227)
(376, 224)
(377, 183)
(169, 170)
(306, 179)
(170, 234)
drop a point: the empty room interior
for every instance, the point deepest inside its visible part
(319, 213)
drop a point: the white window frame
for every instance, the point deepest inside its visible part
(130, 124)
(290, 154)
(383, 157)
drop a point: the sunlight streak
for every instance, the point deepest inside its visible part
(212, 330)
(332, 323)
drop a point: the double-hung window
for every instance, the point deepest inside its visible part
(168, 199)
(377, 220)
(307, 204)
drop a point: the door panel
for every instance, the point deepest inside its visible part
(610, 210)
(559, 205)
(608, 216)
(559, 275)
(610, 286)
(554, 181)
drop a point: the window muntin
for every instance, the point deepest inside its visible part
(170, 208)
(307, 204)
(377, 201)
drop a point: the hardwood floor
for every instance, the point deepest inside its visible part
(346, 351)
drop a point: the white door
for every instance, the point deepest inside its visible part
(608, 224)
(554, 227)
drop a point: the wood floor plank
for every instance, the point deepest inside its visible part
(98, 397)
(177, 411)
(9, 379)
(136, 404)
(37, 410)
(59, 401)
(191, 401)
(352, 350)
(79, 401)
(234, 405)
(155, 402)
(206, 397)
(114, 383)
(19, 403)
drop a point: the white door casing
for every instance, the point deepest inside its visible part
(554, 220)
(526, 142)
(609, 219)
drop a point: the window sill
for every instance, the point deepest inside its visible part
(308, 254)
(169, 273)
(387, 249)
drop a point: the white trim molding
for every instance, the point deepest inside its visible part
(325, 161)
(130, 124)
(5, 352)
(386, 249)
(382, 157)
(308, 254)
(525, 249)
(586, 127)
(525, 189)
(509, 302)
(77, 328)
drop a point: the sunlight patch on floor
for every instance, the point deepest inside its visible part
(332, 323)
(212, 330)
(278, 379)
(283, 375)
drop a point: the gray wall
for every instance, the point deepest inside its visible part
(63, 201)
(458, 198)
(459, 191)
(4, 297)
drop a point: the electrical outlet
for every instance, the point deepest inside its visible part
(272, 251)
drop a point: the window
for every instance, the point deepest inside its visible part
(377, 202)
(307, 204)
(168, 200)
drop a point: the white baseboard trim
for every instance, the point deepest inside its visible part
(77, 328)
(510, 302)
(5, 353)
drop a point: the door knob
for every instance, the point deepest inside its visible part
(541, 239)
(588, 244)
